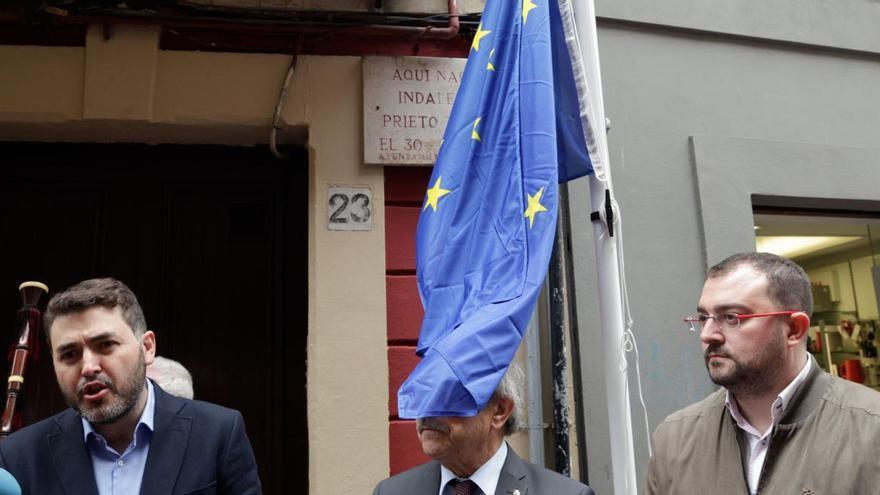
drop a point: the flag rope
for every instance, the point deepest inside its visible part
(628, 342)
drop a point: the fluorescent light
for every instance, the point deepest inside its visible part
(793, 246)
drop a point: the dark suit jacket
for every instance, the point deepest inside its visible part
(516, 474)
(196, 448)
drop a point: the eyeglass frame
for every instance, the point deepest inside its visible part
(694, 319)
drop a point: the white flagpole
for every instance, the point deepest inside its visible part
(607, 265)
(611, 316)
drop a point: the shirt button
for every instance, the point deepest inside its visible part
(120, 463)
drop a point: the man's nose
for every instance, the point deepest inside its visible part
(710, 332)
(91, 363)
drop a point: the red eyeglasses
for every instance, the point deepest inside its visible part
(727, 321)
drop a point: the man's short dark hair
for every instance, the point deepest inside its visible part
(106, 292)
(788, 283)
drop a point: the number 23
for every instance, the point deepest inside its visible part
(359, 212)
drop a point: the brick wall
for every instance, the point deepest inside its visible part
(404, 195)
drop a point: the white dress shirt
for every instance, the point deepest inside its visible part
(758, 442)
(486, 477)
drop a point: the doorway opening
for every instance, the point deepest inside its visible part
(840, 251)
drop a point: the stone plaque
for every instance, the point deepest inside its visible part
(407, 101)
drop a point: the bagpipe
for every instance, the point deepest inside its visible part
(25, 349)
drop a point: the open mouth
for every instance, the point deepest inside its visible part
(94, 390)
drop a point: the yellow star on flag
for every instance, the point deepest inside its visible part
(528, 5)
(434, 194)
(535, 206)
(474, 134)
(480, 34)
(490, 65)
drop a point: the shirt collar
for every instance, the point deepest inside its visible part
(776, 409)
(146, 418)
(486, 477)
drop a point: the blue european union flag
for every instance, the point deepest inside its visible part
(486, 231)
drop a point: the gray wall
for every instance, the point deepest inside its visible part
(849, 24)
(700, 122)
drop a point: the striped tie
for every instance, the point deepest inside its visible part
(464, 487)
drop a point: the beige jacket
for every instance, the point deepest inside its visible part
(827, 442)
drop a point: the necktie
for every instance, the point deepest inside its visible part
(464, 487)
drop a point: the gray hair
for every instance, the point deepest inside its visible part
(172, 376)
(511, 387)
(788, 283)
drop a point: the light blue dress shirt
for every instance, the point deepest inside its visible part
(117, 474)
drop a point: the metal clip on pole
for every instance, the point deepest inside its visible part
(609, 214)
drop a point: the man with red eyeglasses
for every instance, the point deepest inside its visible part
(779, 424)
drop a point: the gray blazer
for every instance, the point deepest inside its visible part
(516, 474)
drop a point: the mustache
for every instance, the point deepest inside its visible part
(431, 424)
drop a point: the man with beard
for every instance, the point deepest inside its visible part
(779, 424)
(472, 458)
(122, 434)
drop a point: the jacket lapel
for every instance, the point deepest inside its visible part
(513, 476)
(429, 484)
(71, 457)
(167, 446)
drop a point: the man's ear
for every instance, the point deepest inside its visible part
(798, 327)
(501, 410)
(149, 342)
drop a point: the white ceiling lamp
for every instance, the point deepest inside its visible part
(794, 246)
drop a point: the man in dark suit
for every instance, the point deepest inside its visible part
(123, 434)
(472, 458)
